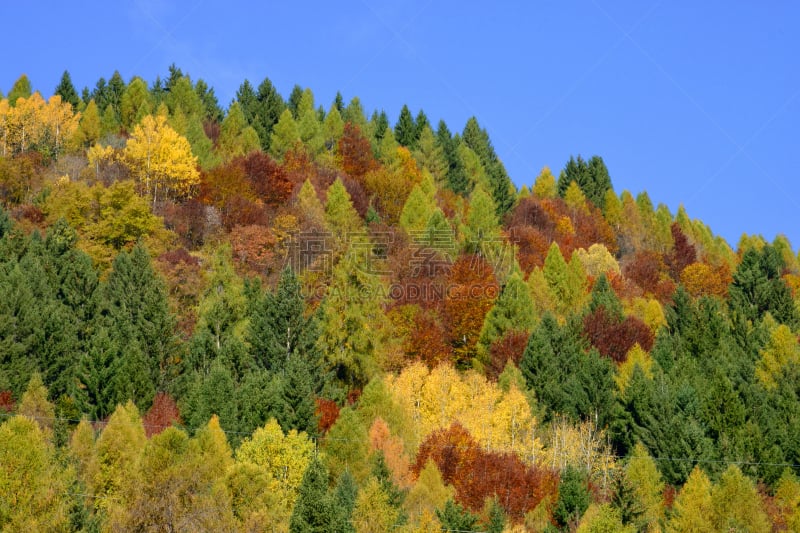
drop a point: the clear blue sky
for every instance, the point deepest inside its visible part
(696, 102)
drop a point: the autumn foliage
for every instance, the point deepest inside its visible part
(477, 474)
(161, 415)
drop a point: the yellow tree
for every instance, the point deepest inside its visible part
(160, 159)
(693, 509)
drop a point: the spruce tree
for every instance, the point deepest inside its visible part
(313, 511)
(67, 91)
(405, 131)
(502, 190)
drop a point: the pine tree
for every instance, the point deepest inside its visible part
(213, 112)
(67, 91)
(457, 180)
(344, 501)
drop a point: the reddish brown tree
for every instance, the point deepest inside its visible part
(161, 415)
(477, 474)
(355, 153)
(267, 179)
(615, 339)
(253, 248)
(469, 294)
(509, 347)
(683, 253)
(327, 413)
(7, 403)
(647, 270)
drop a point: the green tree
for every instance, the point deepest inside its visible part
(430, 155)
(67, 91)
(592, 177)
(236, 138)
(20, 89)
(758, 288)
(457, 180)
(482, 230)
(513, 310)
(545, 185)
(573, 497)
(501, 188)
(417, 210)
(453, 517)
(135, 104)
(405, 131)
(340, 215)
(285, 135)
(313, 511)
(566, 281)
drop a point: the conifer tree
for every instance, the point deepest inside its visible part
(67, 91)
(340, 215)
(430, 155)
(457, 179)
(285, 135)
(482, 231)
(513, 311)
(545, 185)
(20, 89)
(417, 211)
(694, 507)
(236, 138)
(501, 188)
(592, 178)
(313, 511)
(405, 131)
(135, 104)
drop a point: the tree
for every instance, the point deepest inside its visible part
(313, 512)
(285, 135)
(694, 507)
(453, 517)
(67, 91)
(405, 131)
(501, 187)
(161, 160)
(430, 155)
(757, 288)
(592, 177)
(781, 351)
(545, 184)
(737, 505)
(20, 89)
(340, 216)
(136, 103)
(236, 138)
(566, 281)
(355, 152)
(89, 126)
(567, 380)
(373, 512)
(573, 497)
(33, 486)
(482, 232)
(513, 310)
(35, 405)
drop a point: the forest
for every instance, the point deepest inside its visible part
(285, 316)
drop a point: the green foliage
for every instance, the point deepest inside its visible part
(513, 310)
(453, 517)
(592, 177)
(758, 288)
(573, 497)
(313, 512)
(501, 188)
(20, 89)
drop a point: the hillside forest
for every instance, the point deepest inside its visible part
(291, 315)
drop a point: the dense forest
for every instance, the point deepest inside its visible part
(282, 316)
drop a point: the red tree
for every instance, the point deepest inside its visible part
(509, 347)
(267, 179)
(161, 415)
(355, 153)
(615, 339)
(477, 474)
(7, 403)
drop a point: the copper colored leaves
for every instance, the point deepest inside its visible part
(477, 474)
(614, 339)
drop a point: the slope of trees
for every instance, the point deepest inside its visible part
(287, 316)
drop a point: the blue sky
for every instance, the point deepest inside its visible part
(695, 102)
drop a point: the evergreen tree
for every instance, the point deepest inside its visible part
(67, 91)
(567, 380)
(502, 190)
(405, 131)
(758, 288)
(573, 497)
(278, 327)
(293, 103)
(344, 501)
(135, 103)
(213, 112)
(592, 177)
(457, 180)
(513, 310)
(453, 517)
(313, 510)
